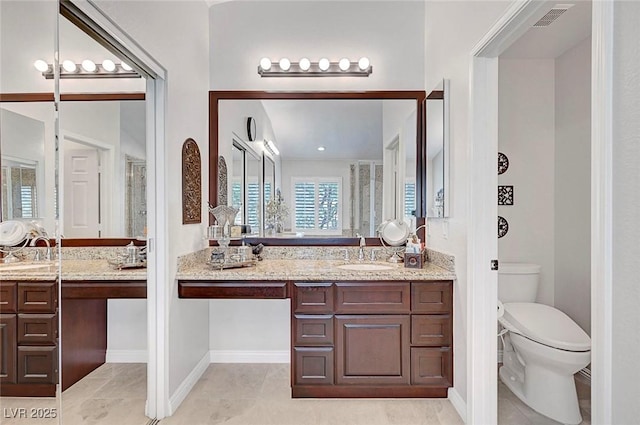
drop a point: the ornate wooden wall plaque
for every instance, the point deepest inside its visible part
(191, 183)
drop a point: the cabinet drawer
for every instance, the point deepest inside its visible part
(8, 346)
(312, 297)
(36, 297)
(431, 366)
(37, 365)
(313, 330)
(8, 297)
(431, 297)
(373, 297)
(37, 329)
(431, 329)
(313, 365)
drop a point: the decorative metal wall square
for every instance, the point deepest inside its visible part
(505, 195)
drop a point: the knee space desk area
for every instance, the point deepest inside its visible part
(29, 300)
(385, 333)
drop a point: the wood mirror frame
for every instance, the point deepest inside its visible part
(421, 156)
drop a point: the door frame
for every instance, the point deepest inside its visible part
(482, 292)
(90, 15)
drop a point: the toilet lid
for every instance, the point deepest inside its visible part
(546, 325)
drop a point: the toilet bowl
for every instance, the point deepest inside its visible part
(543, 347)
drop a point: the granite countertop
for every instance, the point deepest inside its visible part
(308, 269)
(73, 270)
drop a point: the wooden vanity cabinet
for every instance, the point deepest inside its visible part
(29, 336)
(372, 339)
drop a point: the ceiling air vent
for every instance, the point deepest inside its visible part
(552, 15)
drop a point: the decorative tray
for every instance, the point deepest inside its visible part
(231, 264)
(123, 265)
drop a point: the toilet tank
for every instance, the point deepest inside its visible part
(518, 282)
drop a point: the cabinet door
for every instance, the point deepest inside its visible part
(8, 348)
(431, 366)
(37, 365)
(313, 365)
(372, 350)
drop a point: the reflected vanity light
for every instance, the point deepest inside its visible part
(323, 68)
(271, 147)
(321, 148)
(87, 69)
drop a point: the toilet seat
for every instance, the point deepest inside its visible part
(545, 325)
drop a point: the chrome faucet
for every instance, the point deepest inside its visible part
(363, 243)
(49, 253)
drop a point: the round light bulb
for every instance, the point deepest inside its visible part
(321, 148)
(126, 66)
(344, 64)
(69, 66)
(88, 65)
(304, 64)
(41, 65)
(364, 63)
(285, 64)
(265, 64)
(108, 65)
(324, 64)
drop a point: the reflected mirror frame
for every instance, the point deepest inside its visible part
(441, 92)
(421, 156)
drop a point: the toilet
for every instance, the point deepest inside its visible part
(543, 347)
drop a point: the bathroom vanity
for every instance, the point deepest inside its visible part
(385, 333)
(29, 323)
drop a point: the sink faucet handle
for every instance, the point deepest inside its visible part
(373, 253)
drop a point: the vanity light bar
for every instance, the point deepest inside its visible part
(322, 68)
(87, 69)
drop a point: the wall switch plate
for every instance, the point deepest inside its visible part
(445, 229)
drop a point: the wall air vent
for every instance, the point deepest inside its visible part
(552, 15)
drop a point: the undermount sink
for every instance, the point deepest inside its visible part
(25, 267)
(365, 267)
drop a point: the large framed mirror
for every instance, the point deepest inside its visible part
(341, 162)
(437, 187)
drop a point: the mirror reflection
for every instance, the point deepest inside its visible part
(437, 113)
(28, 360)
(102, 167)
(341, 167)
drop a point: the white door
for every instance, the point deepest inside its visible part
(81, 194)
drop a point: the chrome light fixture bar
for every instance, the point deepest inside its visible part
(271, 147)
(87, 69)
(322, 68)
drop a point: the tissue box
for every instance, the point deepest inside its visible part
(415, 260)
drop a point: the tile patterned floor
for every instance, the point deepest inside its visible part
(254, 394)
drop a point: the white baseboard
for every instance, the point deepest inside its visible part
(458, 403)
(248, 356)
(126, 356)
(187, 385)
